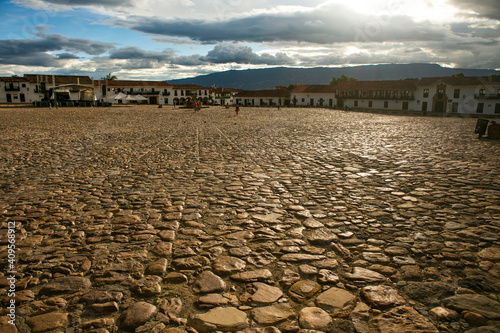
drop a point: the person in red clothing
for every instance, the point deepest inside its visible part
(237, 109)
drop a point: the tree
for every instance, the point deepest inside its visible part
(14, 76)
(458, 75)
(342, 78)
(292, 86)
(109, 77)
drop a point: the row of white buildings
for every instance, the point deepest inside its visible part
(465, 95)
(82, 90)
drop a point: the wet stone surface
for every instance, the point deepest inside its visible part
(138, 219)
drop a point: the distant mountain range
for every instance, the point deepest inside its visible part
(254, 79)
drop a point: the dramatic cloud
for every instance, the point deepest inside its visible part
(37, 51)
(137, 53)
(135, 57)
(483, 8)
(54, 42)
(331, 23)
(66, 56)
(470, 54)
(220, 54)
(37, 59)
(227, 53)
(176, 38)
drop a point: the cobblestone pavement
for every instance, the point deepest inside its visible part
(293, 220)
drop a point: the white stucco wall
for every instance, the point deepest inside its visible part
(304, 99)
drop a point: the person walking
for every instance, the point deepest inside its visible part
(237, 109)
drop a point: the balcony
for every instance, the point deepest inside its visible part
(402, 97)
(487, 96)
(145, 93)
(12, 88)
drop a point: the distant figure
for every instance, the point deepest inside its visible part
(237, 109)
(50, 106)
(174, 105)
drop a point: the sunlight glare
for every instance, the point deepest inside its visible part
(353, 50)
(437, 11)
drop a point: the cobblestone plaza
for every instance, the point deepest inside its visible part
(154, 219)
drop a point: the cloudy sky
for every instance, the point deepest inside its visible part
(162, 40)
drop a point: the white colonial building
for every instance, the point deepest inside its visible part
(268, 97)
(439, 95)
(186, 94)
(459, 94)
(376, 95)
(134, 92)
(150, 92)
(31, 88)
(15, 90)
(224, 96)
(319, 95)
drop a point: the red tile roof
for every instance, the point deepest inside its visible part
(268, 93)
(129, 83)
(314, 89)
(409, 84)
(224, 90)
(13, 79)
(460, 80)
(188, 86)
(59, 79)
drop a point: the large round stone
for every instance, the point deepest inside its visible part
(303, 290)
(208, 282)
(136, 315)
(274, 314)
(219, 319)
(228, 265)
(336, 299)
(48, 322)
(314, 318)
(382, 296)
(65, 285)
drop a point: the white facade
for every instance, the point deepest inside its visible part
(185, 94)
(267, 97)
(314, 96)
(459, 94)
(259, 101)
(479, 95)
(223, 96)
(48, 88)
(313, 99)
(134, 92)
(393, 95)
(463, 95)
(16, 90)
(373, 104)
